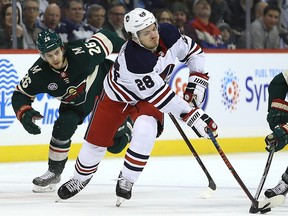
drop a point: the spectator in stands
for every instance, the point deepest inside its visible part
(164, 15)
(228, 36)
(181, 17)
(103, 3)
(208, 33)
(6, 28)
(43, 4)
(4, 2)
(73, 27)
(283, 24)
(264, 30)
(220, 12)
(51, 17)
(96, 16)
(30, 18)
(259, 8)
(180, 14)
(129, 4)
(238, 20)
(115, 22)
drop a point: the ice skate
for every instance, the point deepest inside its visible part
(123, 190)
(71, 188)
(46, 183)
(280, 189)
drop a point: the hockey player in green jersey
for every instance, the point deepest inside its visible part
(277, 118)
(73, 74)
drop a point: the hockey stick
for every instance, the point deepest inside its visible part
(258, 207)
(212, 186)
(263, 179)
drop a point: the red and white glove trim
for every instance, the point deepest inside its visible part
(22, 110)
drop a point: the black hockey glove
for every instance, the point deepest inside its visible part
(122, 137)
(195, 90)
(198, 120)
(278, 113)
(27, 116)
(278, 139)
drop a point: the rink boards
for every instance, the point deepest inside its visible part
(236, 99)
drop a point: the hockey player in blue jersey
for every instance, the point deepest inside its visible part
(137, 86)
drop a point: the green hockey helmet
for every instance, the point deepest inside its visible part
(48, 40)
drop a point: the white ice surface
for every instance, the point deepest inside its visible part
(167, 186)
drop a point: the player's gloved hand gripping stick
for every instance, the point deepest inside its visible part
(196, 89)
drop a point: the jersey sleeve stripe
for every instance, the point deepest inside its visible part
(118, 92)
(162, 98)
(121, 91)
(105, 43)
(156, 97)
(20, 89)
(194, 50)
(166, 101)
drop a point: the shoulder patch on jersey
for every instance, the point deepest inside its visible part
(169, 34)
(138, 59)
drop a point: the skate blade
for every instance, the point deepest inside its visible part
(47, 189)
(119, 201)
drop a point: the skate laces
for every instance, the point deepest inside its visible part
(74, 185)
(281, 188)
(125, 184)
(48, 175)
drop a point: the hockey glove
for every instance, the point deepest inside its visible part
(27, 116)
(122, 137)
(280, 137)
(278, 113)
(198, 120)
(197, 84)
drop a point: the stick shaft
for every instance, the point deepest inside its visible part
(230, 167)
(212, 184)
(265, 173)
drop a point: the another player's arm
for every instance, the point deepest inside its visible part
(277, 116)
(102, 44)
(21, 102)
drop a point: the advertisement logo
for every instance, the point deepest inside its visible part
(8, 81)
(230, 90)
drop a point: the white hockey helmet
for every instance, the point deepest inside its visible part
(137, 20)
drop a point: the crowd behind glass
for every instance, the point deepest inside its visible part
(213, 24)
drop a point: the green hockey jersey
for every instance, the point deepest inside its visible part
(81, 78)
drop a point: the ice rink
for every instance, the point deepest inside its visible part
(167, 186)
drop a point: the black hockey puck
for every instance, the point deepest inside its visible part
(265, 210)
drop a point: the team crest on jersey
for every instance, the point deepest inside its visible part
(75, 94)
(52, 86)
